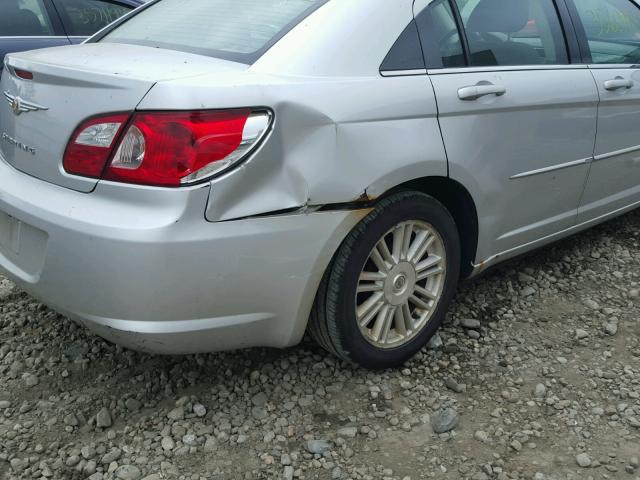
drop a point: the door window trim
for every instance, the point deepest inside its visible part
(614, 66)
(54, 18)
(581, 34)
(506, 68)
(462, 32)
(569, 35)
(569, 31)
(425, 4)
(403, 73)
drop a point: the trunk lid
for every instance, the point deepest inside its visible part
(71, 84)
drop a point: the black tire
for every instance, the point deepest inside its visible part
(333, 322)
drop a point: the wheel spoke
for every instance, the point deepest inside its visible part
(401, 239)
(408, 318)
(387, 325)
(425, 268)
(369, 308)
(419, 247)
(430, 273)
(382, 326)
(406, 244)
(383, 248)
(377, 258)
(424, 293)
(400, 322)
(429, 262)
(364, 323)
(418, 302)
(369, 287)
(372, 276)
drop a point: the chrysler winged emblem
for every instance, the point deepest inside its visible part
(18, 105)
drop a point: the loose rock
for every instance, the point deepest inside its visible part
(103, 418)
(317, 446)
(583, 460)
(444, 420)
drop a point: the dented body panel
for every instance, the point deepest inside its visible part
(334, 140)
(342, 132)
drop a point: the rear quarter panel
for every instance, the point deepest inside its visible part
(335, 140)
(342, 132)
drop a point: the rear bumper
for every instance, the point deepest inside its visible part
(143, 268)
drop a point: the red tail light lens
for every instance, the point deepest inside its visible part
(171, 149)
(91, 145)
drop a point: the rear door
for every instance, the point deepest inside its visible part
(27, 25)
(83, 18)
(609, 31)
(517, 118)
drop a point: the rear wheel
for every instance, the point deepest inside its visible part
(390, 283)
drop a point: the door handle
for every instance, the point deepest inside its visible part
(618, 83)
(481, 89)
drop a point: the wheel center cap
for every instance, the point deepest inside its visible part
(400, 283)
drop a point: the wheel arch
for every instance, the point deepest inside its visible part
(452, 194)
(457, 199)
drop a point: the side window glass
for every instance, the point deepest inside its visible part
(26, 18)
(83, 18)
(612, 28)
(440, 36)
(513, 32)
(406, 53)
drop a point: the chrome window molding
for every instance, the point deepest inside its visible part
(519, 68)
(510, 68)
(552, 168)
(616, 153)
(404, 73)
(616, 66)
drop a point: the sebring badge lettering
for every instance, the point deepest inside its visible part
(12, 141)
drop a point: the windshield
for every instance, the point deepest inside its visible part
(237, 30)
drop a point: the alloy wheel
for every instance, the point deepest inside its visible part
(400, 284)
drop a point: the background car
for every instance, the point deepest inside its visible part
(31, 24)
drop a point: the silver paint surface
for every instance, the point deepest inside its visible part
(193, 269)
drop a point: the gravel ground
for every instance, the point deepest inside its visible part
(536, 375)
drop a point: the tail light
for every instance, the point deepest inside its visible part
(91, 144)
(168, 149)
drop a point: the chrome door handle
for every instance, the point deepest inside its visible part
(481, 89)
(618, 83)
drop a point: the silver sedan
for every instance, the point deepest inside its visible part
(218, 174)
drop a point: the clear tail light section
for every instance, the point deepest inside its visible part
(91, 145)
(170, 149)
